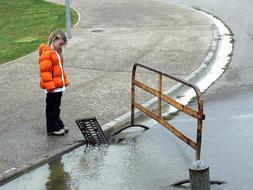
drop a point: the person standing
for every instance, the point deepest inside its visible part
(54, 80)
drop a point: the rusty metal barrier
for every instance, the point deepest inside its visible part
(158, 93)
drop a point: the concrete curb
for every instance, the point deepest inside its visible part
(116, 124)
(50, 156)
(1, 65)
(78, 17)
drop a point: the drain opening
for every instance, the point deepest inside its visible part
(92, 131)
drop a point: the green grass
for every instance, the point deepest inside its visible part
(26, 24)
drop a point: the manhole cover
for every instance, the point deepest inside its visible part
(97, 31)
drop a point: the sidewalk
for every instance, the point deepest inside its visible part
(110, 37)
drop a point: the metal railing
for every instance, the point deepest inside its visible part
(158, 93)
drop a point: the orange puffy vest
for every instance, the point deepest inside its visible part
(50, 70)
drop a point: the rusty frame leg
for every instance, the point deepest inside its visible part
(133, 95)
(160, 95)
(199, 137)
(199, 127)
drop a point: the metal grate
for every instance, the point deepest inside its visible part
(92, 131)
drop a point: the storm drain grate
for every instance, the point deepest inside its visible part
(92, 131)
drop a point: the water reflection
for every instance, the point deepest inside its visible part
(140, 161)
(58, 178)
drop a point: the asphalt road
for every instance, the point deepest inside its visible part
(228, 132)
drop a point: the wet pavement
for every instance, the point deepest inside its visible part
(143, 160)
(226, 141)
(228, 131)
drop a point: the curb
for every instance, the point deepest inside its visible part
(78, 17)
(50, 156)
(117, 123)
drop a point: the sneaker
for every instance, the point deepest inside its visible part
(57, 133)
(66, 129)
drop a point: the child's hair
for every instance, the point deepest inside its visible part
(57, 34)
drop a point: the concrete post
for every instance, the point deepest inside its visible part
(199, 176)
(68, 19)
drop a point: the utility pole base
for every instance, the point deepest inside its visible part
(199, 176)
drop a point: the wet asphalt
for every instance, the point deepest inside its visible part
(228, 130)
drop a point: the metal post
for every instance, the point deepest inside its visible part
(199, 128)
(199, 176)
(160, 95)
(199, 136)
(133, 95)
(68, 19)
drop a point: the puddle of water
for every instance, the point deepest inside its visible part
(144, 160)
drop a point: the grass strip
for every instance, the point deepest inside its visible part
(25, 24)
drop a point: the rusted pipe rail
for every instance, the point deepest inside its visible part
(199, 115)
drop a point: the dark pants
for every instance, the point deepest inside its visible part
(53, 103)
